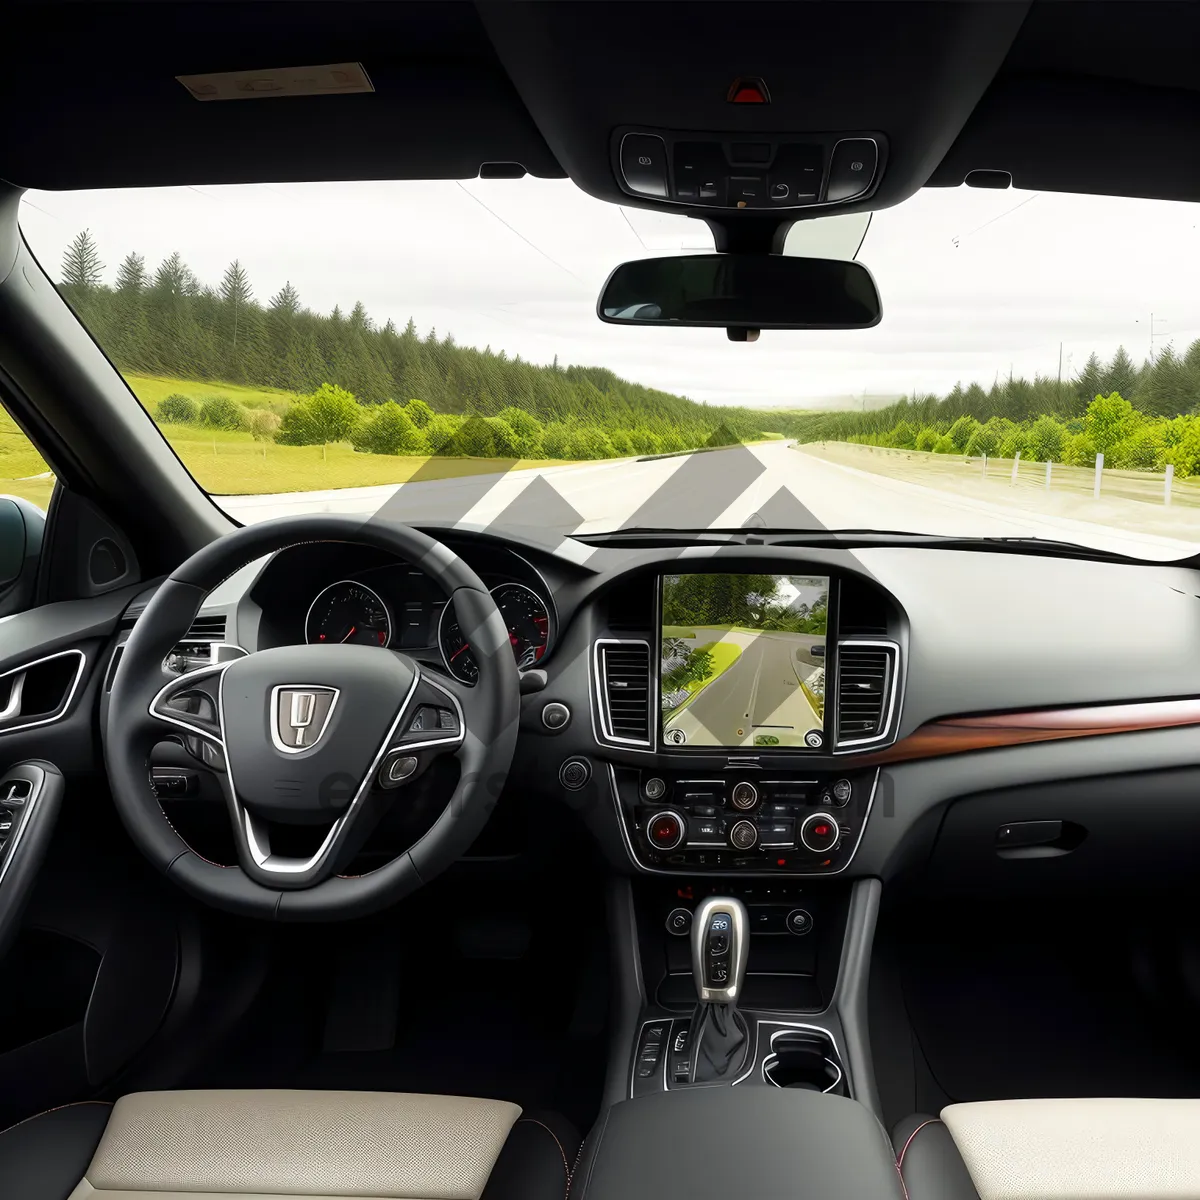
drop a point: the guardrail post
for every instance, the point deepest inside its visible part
(1049, 465)
(985, 465)
(1170, 475)
(1016, 464)
(1099, 473)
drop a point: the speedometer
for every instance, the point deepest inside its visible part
(526, 618)
(349, 612)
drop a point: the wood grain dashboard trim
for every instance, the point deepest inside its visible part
(959, 735)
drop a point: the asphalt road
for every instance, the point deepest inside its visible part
(772, 484)
(760, 693)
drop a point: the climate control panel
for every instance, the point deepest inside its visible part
(744, 821)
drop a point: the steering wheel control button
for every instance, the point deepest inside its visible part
(744, 795)
(851, 169)
(644, 164)
(679, 922)
(744, 835)
(799, 922)
(842, 791)
(556, 716)
(574, 773)
(655, 788)
(402, 768)
(819, 833)
(664, 830)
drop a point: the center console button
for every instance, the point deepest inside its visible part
(819, 833)
(851, 168)
(704, 830)
(655, 788)
(799, 921)
(664, 830)
(679, 922)
(744, 795)
(744, 835)
(842, 791)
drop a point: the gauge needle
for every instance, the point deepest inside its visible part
(464, 646)
(348, 636)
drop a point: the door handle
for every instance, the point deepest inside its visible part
(12, 706)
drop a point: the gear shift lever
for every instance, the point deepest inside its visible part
(720, 948)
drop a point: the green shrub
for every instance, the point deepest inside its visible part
(178, 409)
(1079, 451)
(645, 441)
(927, 438)
(1142, 450)
(555, 440)
(621, 442)
(671, 442)
(903, 437)
(1109, 420)
(961, 431)
(419, 413)
(587, 442)
(945, 445)
(983, 441)
(504, 438)
(221, 412)
(441, 429)
(1046, 440)
(526, 431)
(389, 430)
(330, 414)
(1014, 443)
(474, 438)
(264, 424)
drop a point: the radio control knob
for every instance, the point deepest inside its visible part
(744, 835)
(744, 795)
(664, 830)
(655, 788)
(842, 792)
(819, 833)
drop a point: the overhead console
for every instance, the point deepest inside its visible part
(739, 171)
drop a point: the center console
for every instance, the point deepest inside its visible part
(804, 822)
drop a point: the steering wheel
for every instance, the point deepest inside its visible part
(312, 734)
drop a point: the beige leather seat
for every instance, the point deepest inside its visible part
(1092, 1149)
(266, 1145)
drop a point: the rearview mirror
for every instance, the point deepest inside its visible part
(741, 292)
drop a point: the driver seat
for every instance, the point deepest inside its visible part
(271, 1144)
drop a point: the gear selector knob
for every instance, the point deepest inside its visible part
(720, 948)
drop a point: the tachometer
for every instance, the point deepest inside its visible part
(349, 612)
(526, 618)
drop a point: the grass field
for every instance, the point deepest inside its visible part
(151, 390)
(23, 471)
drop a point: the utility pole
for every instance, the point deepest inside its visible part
(1059, 389)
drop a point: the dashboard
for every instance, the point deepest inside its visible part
(986, 671)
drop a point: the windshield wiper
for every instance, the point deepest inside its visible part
(847, 539)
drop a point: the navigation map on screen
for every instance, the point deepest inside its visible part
(743, 660)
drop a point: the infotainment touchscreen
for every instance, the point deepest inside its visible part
(743, 660)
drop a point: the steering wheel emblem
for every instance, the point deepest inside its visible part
(300, 714)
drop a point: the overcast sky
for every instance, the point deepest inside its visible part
(973, 282)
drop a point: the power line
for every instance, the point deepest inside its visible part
(633, 230)
(998, 217)
(519, 234)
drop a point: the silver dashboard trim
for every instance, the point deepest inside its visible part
(21, 818)
(783, 1027)
(886, 734)
(245, 822)
(600, 688)
(68, 700)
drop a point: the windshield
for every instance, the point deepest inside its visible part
(432, 350)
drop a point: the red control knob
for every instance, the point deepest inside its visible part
(664, 830)
(819, 833)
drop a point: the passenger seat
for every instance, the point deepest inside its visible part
(1092, 1149)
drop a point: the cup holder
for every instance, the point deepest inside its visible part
(806, 1059)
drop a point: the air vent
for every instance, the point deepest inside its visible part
(210, 629)
(866, 679)
(623, 670)
(196, 648)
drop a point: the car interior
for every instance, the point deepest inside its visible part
(391, 919)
